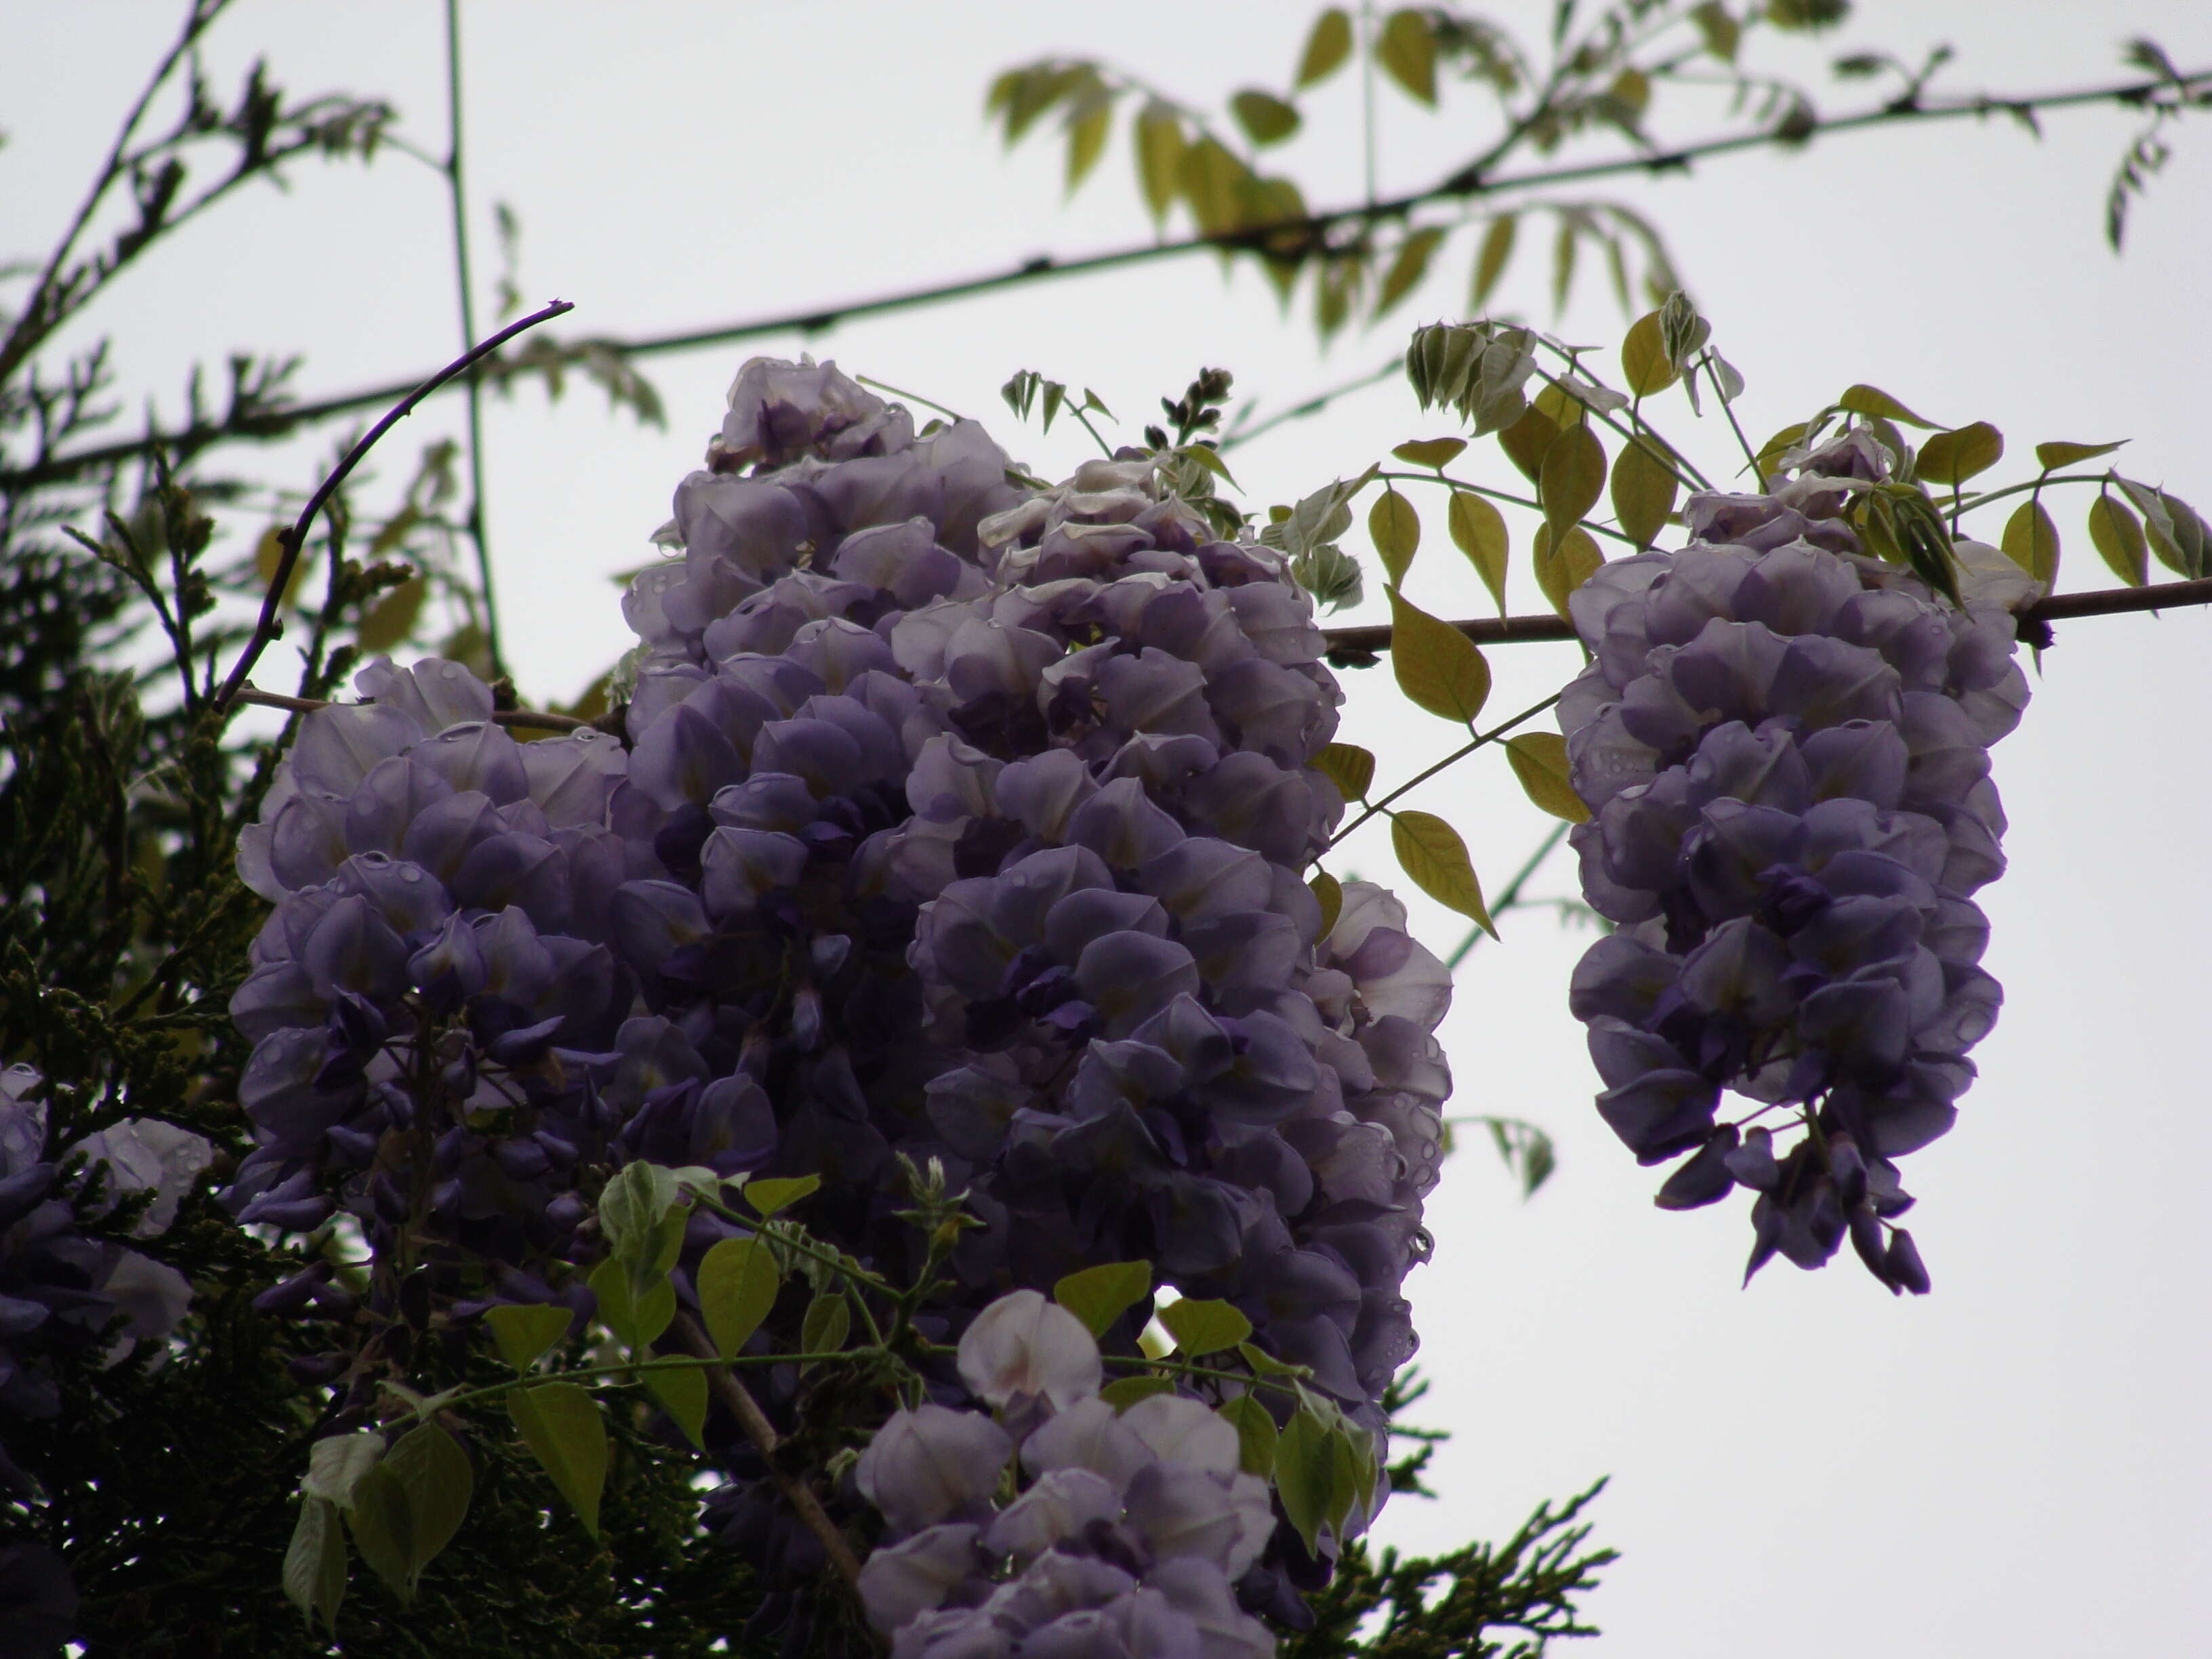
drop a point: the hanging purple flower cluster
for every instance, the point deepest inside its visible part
(430, 996)
(61, 1292)
(1125, 1540)
(1784, 745)
(981, 812)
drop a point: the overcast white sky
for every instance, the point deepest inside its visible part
(2017, 1464)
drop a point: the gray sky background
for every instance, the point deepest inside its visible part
(2017, 1464)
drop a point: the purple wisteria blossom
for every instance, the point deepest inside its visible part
(1093, 1535)
(1783, 744)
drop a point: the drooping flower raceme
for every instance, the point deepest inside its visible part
(1091, 1534)
(1784, 743)
(961, 819)
(61, 1292)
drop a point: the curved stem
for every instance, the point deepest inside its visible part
(1459, 754)
(457, 190)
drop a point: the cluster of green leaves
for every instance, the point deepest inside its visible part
(1589, 75)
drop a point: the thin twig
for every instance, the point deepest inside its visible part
(1468, 182)
(761, 1432)
(269, 626)
(457, 190)
(526, 719)
(1346, 646)
(1509, 897)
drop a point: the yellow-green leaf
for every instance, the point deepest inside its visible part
(636, 1314)
(1266, 118)
(1872, 400)
(767, 1197)
(737, 1281)
(1396, 530)
(1087, 129)
(1439, 667)
(2118, 537)
(560, 1425)
(1490, 262)
(1644, 360)
(827, 1322)
(1430, 452)
(315, 1564)
(2030, 541)
(1347, 766)
(378, 1520)
(1478, 529)
(1128, 1390)
(1721, 32)
(1952, 458)
(1431, 853)
(2052, 456)
(391, 618)
(1408, 268)
(1527, 439)
(1159, 149)
(1643, 490)
(1328, 893)
(1407, 50)
(1572, 478)
(1304, 1471)
(1559, 574)
(1098, 1296)
(1257, 1433)
(1780, 445)
(1212, 180)
(434, 1473)
(1327, 47)
(1203, 1327)
(1539, 759)
(682, 1395)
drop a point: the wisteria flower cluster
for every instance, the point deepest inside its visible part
(62, 1292)
(431, 1004)
(961, 819)
(1059, 1529)
(1784, 745)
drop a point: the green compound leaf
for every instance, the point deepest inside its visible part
(1257, 1433)
(737, 1281)
(1395, 529)
(767, 1197)
(1327, 47)
(1431, 853)
(1203, 1327)
(523, 1332)
(1347, 766)
(1952, 458)
(562, 1425)
(1438, 667)
(315, 1564)
(1099, 1296)
(2118, 536)
(1478, 529)
(2030, 541)
(1539, 760)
